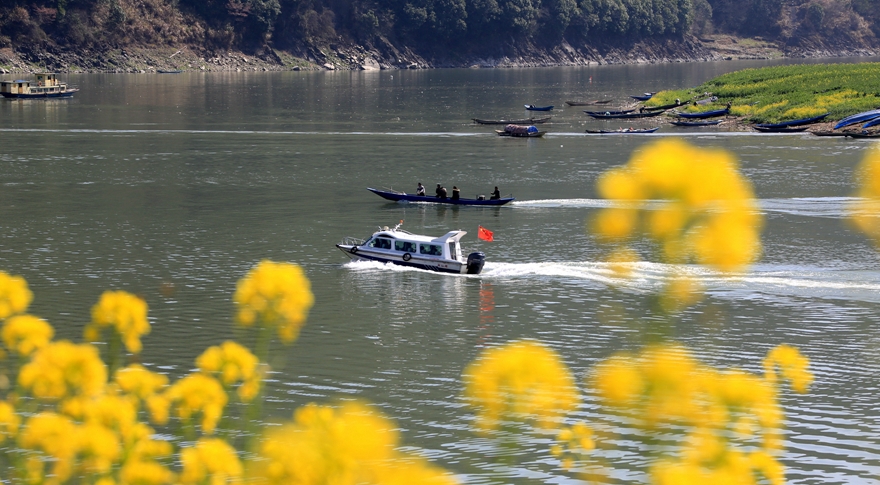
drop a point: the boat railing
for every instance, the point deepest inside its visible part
(352, 241)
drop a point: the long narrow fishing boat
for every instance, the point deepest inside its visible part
(588, 103)
(532, 107)
(696, 123)
(46, 85)
(603, 116)
(800, 122)
(705, 114)
(624, 131)
(780, 129)
(396, 246)
(526, 121)
(611, 111)
(404, 197)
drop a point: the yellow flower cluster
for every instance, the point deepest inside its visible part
(26, 333)
(233, 363)
(865, 212)
(720, 414)
(139, 381)
(191, 395)
(212, 461)
(703, 210)
(346, 445)
(124, 312)
(521, 381)
(574, 441)
(792, 364)
(15, 296)
(62, 370)
(274, 295)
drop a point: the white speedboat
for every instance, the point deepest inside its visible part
(401, 247)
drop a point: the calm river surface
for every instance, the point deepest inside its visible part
(141, 182)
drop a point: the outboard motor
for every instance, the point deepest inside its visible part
(475, 262)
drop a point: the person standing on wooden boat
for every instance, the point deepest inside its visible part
(496, 194)
(441, 192)
(455, 193)
(420, 190)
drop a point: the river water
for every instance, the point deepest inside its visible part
(173, 186)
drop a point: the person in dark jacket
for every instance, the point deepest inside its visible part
(455, 193)
(496, 194)
(441, 192)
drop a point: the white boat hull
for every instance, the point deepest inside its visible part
(357, 253)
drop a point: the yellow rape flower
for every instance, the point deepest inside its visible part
(211, 461)
(139, 381)
(15, 296)
(347, 445)
(99, 446)
(275, 295)
(865, 212)
(56, 437)
(792, 364)
(697, 207)
(522, 380)
(26, 333)
(194, 394)
(141, 466)
(9, 421)
(63, 369)
(124, 312)
(232, 363)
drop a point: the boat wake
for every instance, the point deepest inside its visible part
(763, 281)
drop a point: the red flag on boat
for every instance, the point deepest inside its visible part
(485, 234)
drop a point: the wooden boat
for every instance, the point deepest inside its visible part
(875, 134)
(696, 123)
(47, 86)
(588, 103)
(522, 131)
(611, 111)
(404, 197)
(603, 116)
(858, 118)
(527, 121)
(624, 131)
(643, 97)
(781, 129)
(830, 133)
(532, 107)
(705, 114)
(169, 71)
(801, 122)
(404, 248)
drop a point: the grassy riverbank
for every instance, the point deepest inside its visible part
(774, 94)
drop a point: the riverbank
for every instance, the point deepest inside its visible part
(387, 56)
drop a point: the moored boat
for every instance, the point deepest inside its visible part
(526, 121)
(800, 122)
(625, 131)
(696, 123)
(521, 131)
(858, 118)
(46, 85)
(404, 197)
(404, 248)
(610, 111)
(705, 114)
(603, 116)
(643, 97)
(780, 129)
(532, 107)
(588, 103)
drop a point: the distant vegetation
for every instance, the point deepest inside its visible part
(774, 94)
(443, 27)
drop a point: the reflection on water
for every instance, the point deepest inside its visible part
(174, 187)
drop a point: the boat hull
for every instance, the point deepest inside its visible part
(526, 121)
(705, 114)
(624, 116)
(788, 124)
(63, 94)
(623, 132)
(538, 108)
(357, 253)
(534, 134)
(401, 197)
(696, 123)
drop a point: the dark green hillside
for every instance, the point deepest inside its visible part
(444, 31)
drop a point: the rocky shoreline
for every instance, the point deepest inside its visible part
(387, 56)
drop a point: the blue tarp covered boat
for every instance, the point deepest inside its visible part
(858, 118)
(874, 122)
(404, 197)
